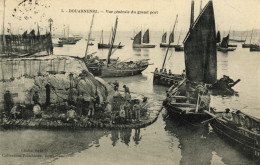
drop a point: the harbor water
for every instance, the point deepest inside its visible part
(164, 142)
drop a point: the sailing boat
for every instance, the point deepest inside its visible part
(137, 43)
(171, 39)
(162, 77)
(236, 40)
(113, 67)
(187, 100)
(101, 44)
(224, 45)
(250, 45)
(179, 48)
(68, 40)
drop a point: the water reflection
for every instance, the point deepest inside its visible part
(193, 142)
(137, 137)
(114, 137)
(125, 136)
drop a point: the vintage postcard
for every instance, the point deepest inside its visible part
(122, 82)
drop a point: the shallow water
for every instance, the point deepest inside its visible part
(165, 141)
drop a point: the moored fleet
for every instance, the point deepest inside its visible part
(188, 97)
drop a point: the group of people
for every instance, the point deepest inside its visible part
(129, 109)
(164, 72)
(17, 111)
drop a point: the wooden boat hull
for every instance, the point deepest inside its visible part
(143, 46)
(252, 49)
(113, 72)
(166, 80)
(107, 46)
(246, 45)
(179, 48)
(57, 45)
(226, 49)
(235, 40)
(177, 113)
(165, 45)
(232, 45)
(250, 146)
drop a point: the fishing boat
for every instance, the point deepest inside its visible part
(57, 44)
(162, 77)
(223, 47)
(67, 40)
(137, 43)
(171, 38)
(255, 48)
(101, 44)
(236, 40)
(245, 45)
(179, 48)
(239, 129)
(186, 100)
(113, 67)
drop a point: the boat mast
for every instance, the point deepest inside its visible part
(68, 31)
(251, 36)
(200, 6)
(112, 42)
(89, 33)
(3, 35)
(179, 37)
(169, 42)
(192, 13)
(101, 37)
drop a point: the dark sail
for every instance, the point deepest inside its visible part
(171, 39)
(218, 37)
(225, 41)
(146, 37)
(164, 37)
(137, 39)
(200, 48)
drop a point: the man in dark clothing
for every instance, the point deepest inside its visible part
(126, 89)
(116, 85)
(8, 101)
(36, 98)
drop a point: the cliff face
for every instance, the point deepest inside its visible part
(62, 75)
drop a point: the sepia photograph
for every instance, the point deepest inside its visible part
(129, 82)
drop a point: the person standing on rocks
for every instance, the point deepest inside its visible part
(36, 98)
(8, 102)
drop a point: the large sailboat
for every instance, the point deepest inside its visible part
(113, 67)
(187, 100)
(224, 45)
(137, 43)
(162, 77)
(102, 45)
(171, 39)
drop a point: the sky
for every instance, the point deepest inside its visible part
(229, 14)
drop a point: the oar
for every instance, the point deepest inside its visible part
(205, 121)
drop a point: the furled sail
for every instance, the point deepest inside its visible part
(146, 37)
(225, 41)
(200, 48)
(137, 39)
(164, 37)
(218, 37)
(171, 39)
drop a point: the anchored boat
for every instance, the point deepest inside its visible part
(162, 77)
(111, 67)
(224, 45)
(186, 100)
(102, 45)
(238, 128)
(137, 43)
